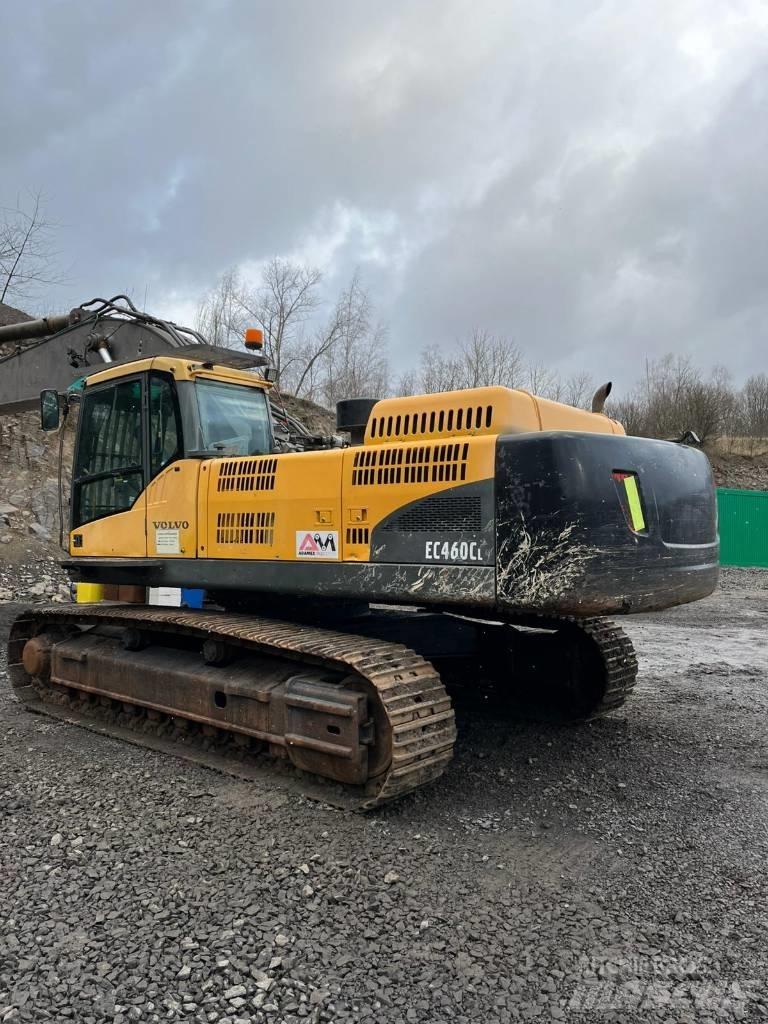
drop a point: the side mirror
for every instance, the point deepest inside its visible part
(270, 373)
(49, 409)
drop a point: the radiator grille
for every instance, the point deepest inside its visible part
(440, 514)
(245, 528)
(256, 474)
(358, 535)
(459, 419)
(440, 463)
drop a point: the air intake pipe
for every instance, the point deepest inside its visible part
(352, 417)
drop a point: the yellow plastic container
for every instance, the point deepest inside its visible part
(89, 593)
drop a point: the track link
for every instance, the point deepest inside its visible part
(585, 669)
(411, 696)
(611, 647)
(619, 658)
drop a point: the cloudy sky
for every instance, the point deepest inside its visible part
(589, 179)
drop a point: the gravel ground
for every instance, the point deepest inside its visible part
(611, 872)
(38, 580)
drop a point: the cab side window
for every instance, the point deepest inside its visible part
(164, 426)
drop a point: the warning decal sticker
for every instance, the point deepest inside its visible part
(167, 542)
(317, 545)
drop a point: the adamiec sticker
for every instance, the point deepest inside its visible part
(317, 545)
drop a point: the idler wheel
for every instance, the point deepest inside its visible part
(36, 657)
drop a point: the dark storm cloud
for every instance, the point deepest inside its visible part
(587, 178)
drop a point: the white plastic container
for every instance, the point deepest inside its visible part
(170, 596)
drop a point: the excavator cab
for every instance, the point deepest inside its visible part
(142, 421)
(132, 427)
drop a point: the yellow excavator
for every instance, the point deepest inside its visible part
(464, 545)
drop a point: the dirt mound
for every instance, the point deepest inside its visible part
(315, 418)
(10, 315)
(735, 469)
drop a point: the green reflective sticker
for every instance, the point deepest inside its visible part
(635, 508)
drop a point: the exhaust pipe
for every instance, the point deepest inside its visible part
(600, 396)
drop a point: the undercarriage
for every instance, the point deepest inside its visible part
(359, 717)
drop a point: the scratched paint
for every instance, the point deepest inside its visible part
(534, 568)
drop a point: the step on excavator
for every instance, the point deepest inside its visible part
(468, 545)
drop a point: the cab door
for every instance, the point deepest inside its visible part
(108, 502)
(171, 507)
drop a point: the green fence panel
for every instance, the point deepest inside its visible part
(743, 527)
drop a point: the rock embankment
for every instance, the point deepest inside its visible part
(29, 489)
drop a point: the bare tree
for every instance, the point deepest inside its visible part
(578, 390)
(348, 356)
(437, 371)
(27, 257)
(630, 412)
(542, 380)
(481, 360)
(286, 298)
(220, 315)
(361, 368)
(318, 359)
(488, 359)
(407, 383)
(674, 397)
(753, 405)
(323, 360)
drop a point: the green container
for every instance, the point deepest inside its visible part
(743, 519)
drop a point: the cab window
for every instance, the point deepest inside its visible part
(109, 473)
(234, 419)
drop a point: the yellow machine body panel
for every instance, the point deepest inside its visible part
(123, 535)
(266, 507)
(380, 479)
(256, 507)
(172, 511)
(478, 411)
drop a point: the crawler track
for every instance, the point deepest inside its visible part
(618, 656)
(412, 709)
(607, 647)
(562, 670)
(580, 670)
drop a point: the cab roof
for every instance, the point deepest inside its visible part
(196, 361)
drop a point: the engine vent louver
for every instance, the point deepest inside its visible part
(440, 463)
(245, 528)
(440, 513)
(257, 474)
(358, 535)
(460, 419)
